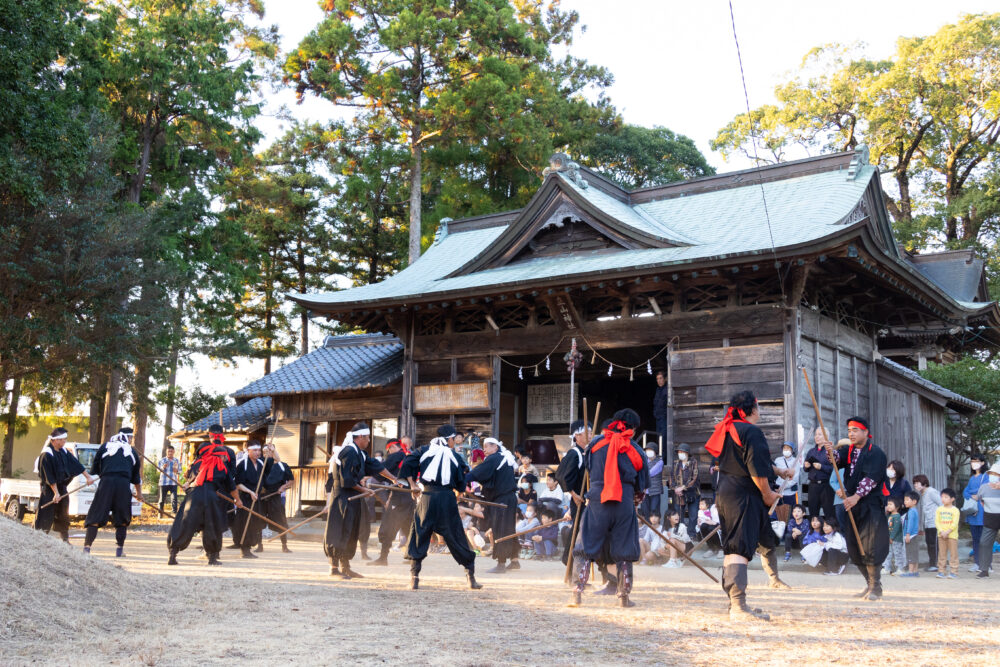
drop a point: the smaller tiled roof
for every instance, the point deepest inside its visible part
(959, 273)
(954, 400)
(343, 363)
(243, 418)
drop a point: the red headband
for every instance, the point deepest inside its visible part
(857, 425)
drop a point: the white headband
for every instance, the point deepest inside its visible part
(253, 446)
(351, 435)
(582, 429)
(487, 441)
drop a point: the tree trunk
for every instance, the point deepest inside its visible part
(175, 350)
(140, 410)
(301, 257)
(7, 457)
(97, 391)
(416, 193)
(267, 337)
(110, 426)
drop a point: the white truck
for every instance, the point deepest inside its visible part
(18, 496)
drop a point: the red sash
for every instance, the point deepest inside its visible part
(618, 439)
(727, 425)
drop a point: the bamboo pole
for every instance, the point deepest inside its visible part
(836, 469)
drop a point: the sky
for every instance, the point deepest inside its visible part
(675, 64)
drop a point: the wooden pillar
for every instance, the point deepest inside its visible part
(668, 453)
(408, 425)
(495, 398)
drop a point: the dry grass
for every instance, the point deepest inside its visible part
(148, 613)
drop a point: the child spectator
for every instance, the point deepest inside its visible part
(812, 543)
(946, 520)
(553, 494)
(525, 492)
(545, 540)
(930, 500)
(526, 467)
(678, 533)
(911, 529)
(897, 547)
(472, 531)
(834, 549)
(708, 521)
(527, 523)
(796, 530)
(652, 547)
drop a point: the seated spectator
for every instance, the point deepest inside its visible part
(529, 521)
(812, 543)
(526, 467)
(526, 492)
(678, 534)
(469, 524)
(546, 539)
(652, 548)
(796, 530)
(552, 492)
(834, 548)
(708, 521)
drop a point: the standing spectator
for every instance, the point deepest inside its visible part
(684, 489)
(796, 530)
(708, 521)
(897, 546)
(838, 495)
(930, 500)
(651, 503)
(975, 518)
(713, 473)
(791, 487)
(911, 530)
(947, 519)
(170, 472)
(897, 484)
(818, 467)
(660, 400)
(989, 496)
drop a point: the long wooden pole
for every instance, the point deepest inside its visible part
(706, 538)
(836, 469)
(260, 479)
(525, 532)
(679, 549)
(579, 510)
(298, 525)
(155, 507)
(65, 495)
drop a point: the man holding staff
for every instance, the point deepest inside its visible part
(744, 495)
(496, 475)
(271, 503)
(398, 512)
(56, 468)
(250, 473)
(864, 495)
(569, 474)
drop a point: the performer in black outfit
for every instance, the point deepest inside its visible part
(348, 466)
(569, 474)
(118, 465)
(248, 477)
(56, 468)
(441, 476)
(865, 495)
(271, 504)
(496, 475)
(619, 477)
(397, 513)
(210, 474)
(746, 476)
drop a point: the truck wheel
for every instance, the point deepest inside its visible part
(14, 509)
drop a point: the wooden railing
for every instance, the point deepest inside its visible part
(309, 488)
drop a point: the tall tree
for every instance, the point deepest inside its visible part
(423, 63)
(638, 157)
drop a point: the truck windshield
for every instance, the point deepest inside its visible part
(86, 456)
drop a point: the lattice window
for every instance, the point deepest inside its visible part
(543, 315)
(604, 306)
(469, 319)
(511, 315)
(706, 297)
(431, 323)
(764, 289)
(640, 305)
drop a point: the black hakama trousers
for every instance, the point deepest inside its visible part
(437, 512)
(274, 509)
(743, 519)
(611, 528)
(56, 516)
(343, 523)
(112, 501)
(503, 522)
(199, 512)
(242, 518)
(873, 527)
(397, 516)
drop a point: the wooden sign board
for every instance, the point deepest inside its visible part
(549, 403)
(451, 397)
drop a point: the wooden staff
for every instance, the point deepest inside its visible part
(525, 532)
(298, 525)
(586, 484)
(162, 472)
(833, 461)
(260, 479)
(65, 495)
(155, 507)
(706, 538)
(679, 549)
(484, 503)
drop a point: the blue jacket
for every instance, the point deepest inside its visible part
(911, 522)
(970, 489)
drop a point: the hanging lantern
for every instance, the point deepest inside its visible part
(649, 367)
(610, 366)
(520, 373)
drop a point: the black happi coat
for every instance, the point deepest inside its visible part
(437, 508)
(570, 475)
(272, 506)
(610, 529)
(343, 523)
(742, 513)
(398, 511)
(499, 486)
(113, 498)
(869, 514)
(202, 511)
(59, 468)
(249, 475)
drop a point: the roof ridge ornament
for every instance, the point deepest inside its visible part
(560, 163)
(862, 158)
(442, 230)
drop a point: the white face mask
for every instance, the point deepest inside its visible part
(787, 453)
(976, 466)
(524, 485)
(650, 454)
(890, 473)
(529, 514)
(682, 456)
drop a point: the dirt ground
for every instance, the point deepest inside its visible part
(61, 606)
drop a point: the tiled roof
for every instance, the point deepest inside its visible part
(343, 363)
(955, 400)
(959, 273)
(242, 418)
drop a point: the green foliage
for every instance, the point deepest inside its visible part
(193, 405)
(980, 381)
(639, 157)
